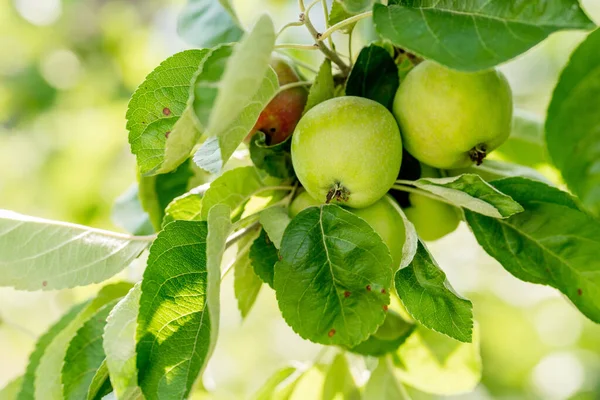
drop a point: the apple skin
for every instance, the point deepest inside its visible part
(451, 119)
(279, 119)
(383, 216)
(432, 219)
(347, 150)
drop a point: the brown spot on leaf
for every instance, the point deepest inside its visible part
(579, 291)
(385, 307)
(167, 111)
(383, 291)
(167, 133)
(280, 257)
(369, 288)
(346, 294)
(45, 283)
(331, 333)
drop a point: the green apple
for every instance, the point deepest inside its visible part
(432, 219)
(347, 150)
(383, 216)
(279, 119)
(451, 119)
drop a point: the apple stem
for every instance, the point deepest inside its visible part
(338, 193)
(478, 153)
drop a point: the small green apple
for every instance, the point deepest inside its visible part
(451, 119)
(383, 216)
(347, 150)
(432, 219)
(278, 120)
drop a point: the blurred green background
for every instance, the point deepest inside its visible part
(67, 69)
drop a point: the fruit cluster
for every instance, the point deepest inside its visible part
(349, 150)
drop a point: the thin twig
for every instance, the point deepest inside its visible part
(332, 55)
(294, 46)
(290, 25)
(343, 24)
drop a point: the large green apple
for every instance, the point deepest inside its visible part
(282, 114)
(383, 216)
(347, 150)
(432, 219)
(451, 119)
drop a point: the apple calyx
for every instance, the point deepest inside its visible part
(478, 153)
(338, 193)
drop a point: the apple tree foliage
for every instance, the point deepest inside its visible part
(331, 272)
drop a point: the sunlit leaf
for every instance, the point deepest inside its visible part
(155, 108)
(119, 346)
(85, 355)
(179, 310)
(206, 23)
(437, 364)
(39, 254)
(474, 35)
(47, 384)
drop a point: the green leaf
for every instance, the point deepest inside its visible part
(216, 150)
(394, 331)
(179, 311)
(157, 191)
(473, 193)
(269, 390)
(374, 76)
(274, 220)
(430, 299)
(11, 390)
(276, 159)
(246, 284)
(119, 346)
(84, 355)
(411, 239)
(434, 363)
(219, 228)
(100, 385)
(186, 207)
(383, 385)
(127, 213)
(264, 256)
(356, 6)
(227, 99)
(492, 170)
(573, 124)
(155, 108)
(551, 243)
(339, 382)
(338, 14)
(234, 188)
(239, 85)
(206, 23)
(525, 145)
(27, 388)
(323, 87)
(47, 383)
(474, 35)
(334, 278)
(63, 255)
